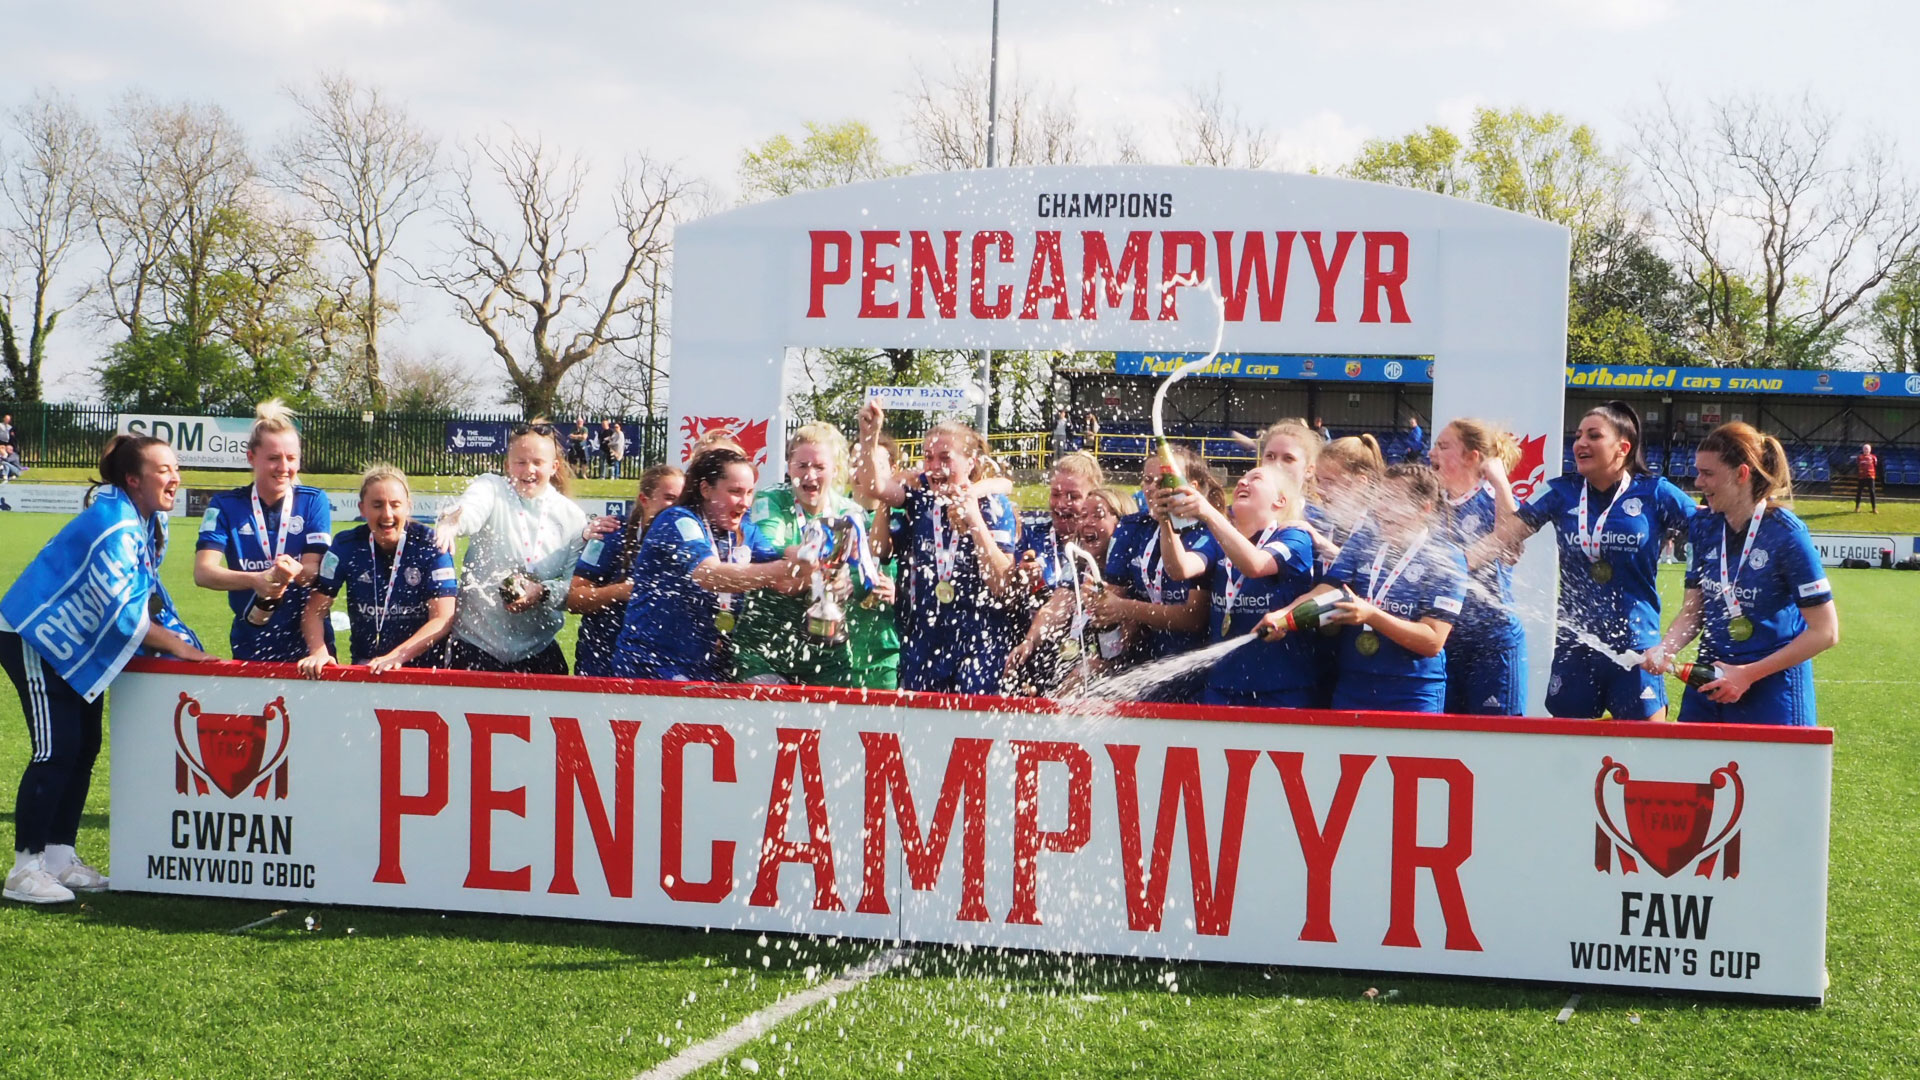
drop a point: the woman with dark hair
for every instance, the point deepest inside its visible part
(261, 544)
(1756, 591)
(1611, 518)
(696, 560)
(603, 578)
(106, 563)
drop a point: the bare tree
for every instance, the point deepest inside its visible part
(173, 179)
(1209, 130)
(1769, 212)
(364, 168)
(947, 122)
(528, 285)
(47, 183)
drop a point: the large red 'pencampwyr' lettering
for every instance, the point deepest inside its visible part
(395, 804)
(673, 801)
(1180, 794)
(1409, 855)
(1028, 838)
(799, 755)
(484, 801)
(962, 791)
(612, 834)
(1320, 843)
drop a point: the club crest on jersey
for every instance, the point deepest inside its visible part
(1668, 825)
(1758, 560)
(1631, 507)
(294, 521)
(413, 575)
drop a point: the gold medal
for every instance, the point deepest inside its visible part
(1740, 629)
(723, 621)
(871, 601)
(1226, 626)
(944, 592)
(1602, 571)
(1368, 643)
(1070, 649)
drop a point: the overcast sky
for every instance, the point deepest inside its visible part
(696, 82)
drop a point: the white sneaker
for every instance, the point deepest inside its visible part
(30, 884)
(80, 877)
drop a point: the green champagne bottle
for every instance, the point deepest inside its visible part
(1697, 675)
(1171, 480)
(1302, 616)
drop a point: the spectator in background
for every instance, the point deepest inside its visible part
(613, 448)
(1060, 434)
(1416, 440)
(1089, 432)
(6, 430)
(1320, 429)
(1867, 467)
(9, 464)
(577, 447)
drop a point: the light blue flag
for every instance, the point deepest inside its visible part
(82, 604)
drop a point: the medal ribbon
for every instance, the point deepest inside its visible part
(260, 521)
(736, 553)
(393, 575)
(945, 555)
(1727, 592)
(1590, 542)
(1377, 589)
(1230, 589)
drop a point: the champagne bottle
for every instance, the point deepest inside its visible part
(1697, 675)
(1306, 615)
(262, 609)
(1171, 480)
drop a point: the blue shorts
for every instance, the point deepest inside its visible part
(1299, 697)
(1367, 691)
(1784, 698)
(1487, 679)
(943, 665)
(1587, 685)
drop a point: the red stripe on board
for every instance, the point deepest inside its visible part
(1134, 710)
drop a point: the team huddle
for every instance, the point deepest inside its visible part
(1322, 577)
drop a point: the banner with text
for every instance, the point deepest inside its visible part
(921, 398)
(1620, 854)
(200, 442)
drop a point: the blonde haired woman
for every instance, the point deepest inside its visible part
(772, 642)
(261, 544)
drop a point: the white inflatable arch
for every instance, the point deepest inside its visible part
(1081, 257)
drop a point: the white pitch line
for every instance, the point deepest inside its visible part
(700, 1055)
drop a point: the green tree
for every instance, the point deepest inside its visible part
(1432, 159)
(1892, 322)
(171, 370)
(828, 155)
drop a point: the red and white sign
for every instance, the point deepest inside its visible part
(1684, 857)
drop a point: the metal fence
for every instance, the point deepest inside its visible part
(332, 441)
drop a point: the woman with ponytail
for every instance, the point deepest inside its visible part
(603, 578)
(60, 665)
(1756, 592)
(1487, 652)
(261, 544)
(1611, 516)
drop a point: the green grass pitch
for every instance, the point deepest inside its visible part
(145, 986)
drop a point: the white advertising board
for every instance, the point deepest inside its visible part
(201, 442)
(24, 498)
(1685, 857)
(1834, 548)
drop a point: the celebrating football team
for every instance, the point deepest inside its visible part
(1322, 577)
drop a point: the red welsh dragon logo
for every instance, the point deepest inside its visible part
(1670, 825)
(1531, 470)
(752, 436)
(230, 751)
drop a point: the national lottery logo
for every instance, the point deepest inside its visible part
(230, 752)
(1669, 825)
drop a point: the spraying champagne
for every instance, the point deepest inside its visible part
(1698, 675)
(1172, 480)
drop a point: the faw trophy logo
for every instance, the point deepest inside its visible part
(751, 435)
(230, 751)
(1670, 825)
(1531, 470)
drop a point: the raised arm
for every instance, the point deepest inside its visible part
(873, 485)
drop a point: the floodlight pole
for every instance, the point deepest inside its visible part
(983, 414)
